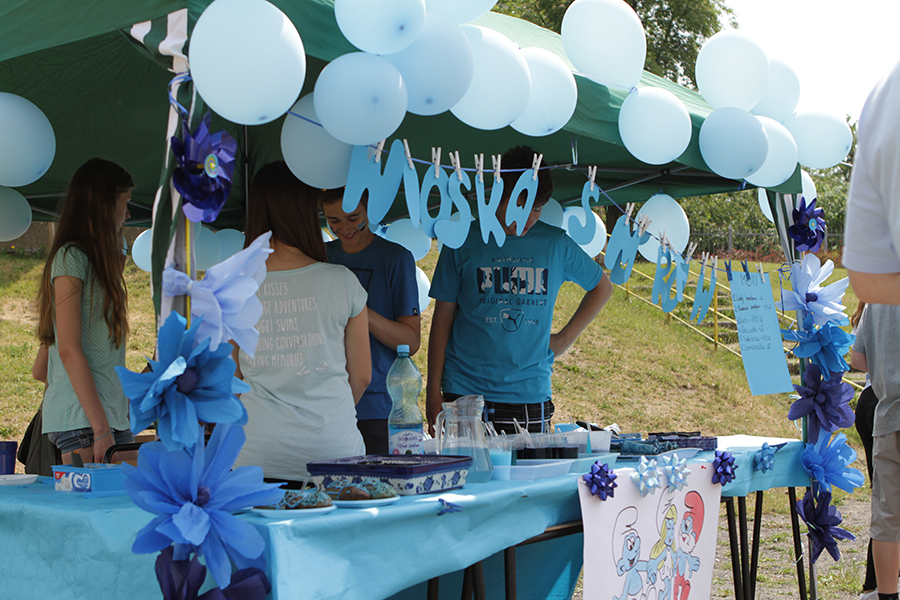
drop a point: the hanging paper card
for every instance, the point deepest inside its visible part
(759, 334)
(660, 545)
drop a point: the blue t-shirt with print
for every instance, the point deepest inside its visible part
(387, 271)
(500, 341)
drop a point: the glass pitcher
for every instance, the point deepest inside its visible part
(460, 432)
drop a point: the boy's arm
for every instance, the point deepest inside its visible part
(441, 325)
(876, 288)
(405, 330)
(590, 306)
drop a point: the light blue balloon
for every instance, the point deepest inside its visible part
(15, 214)
(380, 26)
(667, 216)
(433, 90)
(552, 214)
(823, 140)
(733, 143)
(410, 237)
(808, 187)
(313, 155)
(655, 125)
(207, 249)
(781, 159)
(247, 60)
(424, 286)
(554, 94)
(231, 241)
(732, 70)
(764, 206)
(29, 143)
(360, 98)
(141, 250)
(781, 94)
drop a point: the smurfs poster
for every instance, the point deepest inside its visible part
(656, 546)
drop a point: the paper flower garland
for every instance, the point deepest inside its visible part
(182, 580)
(822, 520)
(188, 383)
(826, 464)
(825, 401)
(808, 230)
(825, 346)
(646, 477)
(193, 492)
(601, 481)
(723, 467)
(226, 297)
(808, 295)
(676, 471)
(205, 168)
(765, 458)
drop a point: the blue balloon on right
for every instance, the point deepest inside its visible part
(733, 143)
(140, 250)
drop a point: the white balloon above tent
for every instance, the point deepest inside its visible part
(424, 286)
(140, 250)
(597, 243)
(314, 156)
(29, 143)
(733, 143)
(403, 232)
(553, 97)
(380, 26)
(552, 214)
(781, 94)
(460, 11)
(605, 41)
(247, 60)
(15, 214)
(732, 70)
(823, 140)
(764, 206)
(781, 158)
(501, 81)
(655, 125)
(667, 216)
(360, 98)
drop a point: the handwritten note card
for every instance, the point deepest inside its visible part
(759, 334)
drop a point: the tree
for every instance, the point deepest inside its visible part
(675, 29)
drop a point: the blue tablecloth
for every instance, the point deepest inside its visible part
(787, 470)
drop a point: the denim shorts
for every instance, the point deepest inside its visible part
(68, 441)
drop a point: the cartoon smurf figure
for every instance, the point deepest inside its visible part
(660, 562)
(685, 561)
(628, 564)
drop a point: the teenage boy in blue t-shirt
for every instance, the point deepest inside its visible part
(490, 333)
(387, 271)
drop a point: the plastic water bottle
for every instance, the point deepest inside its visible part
(404, 384)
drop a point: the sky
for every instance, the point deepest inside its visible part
(839, 48)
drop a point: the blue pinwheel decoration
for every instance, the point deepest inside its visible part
(825, 401)
(808, 230)
(822, 520)
(205, 169)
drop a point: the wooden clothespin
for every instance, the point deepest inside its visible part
(715, 263)
(663, 240)
(760, 269)
(454, 160)
(643, 224)
(629, 208)
(690, 251)
(535, 165)
(496, 162)
(592, 174)
(703, 258)
(408, 154)
(479, 166)
(378, 150)
(436, 159)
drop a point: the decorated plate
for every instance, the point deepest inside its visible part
(365, 503)
(291, 513)
(17, 479)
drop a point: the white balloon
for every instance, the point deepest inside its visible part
(605, 40)
(781, 158)
(808, 187)
(732, 70)
(598, 242)
(403, 232)
(763, 200)
(655, 125)
(431, 90)
(15, 214)
(207, 249)
(501, 82)
(247, 60)
(553, 97)
(380, 26)
(29, 143)
(781, 94)
(460, 11)
(424, 286)
(141, 250)
(231, 241)
(733, 143)
(667, 216)
(360, 98)
(314, 156)
(552, 213)
(823, 140)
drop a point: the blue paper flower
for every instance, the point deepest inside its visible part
(182, 580)
(646, 477)
(205, 168)
(187, 384)
(193, 492)
(822, 520)
(826, 464)
(676, 471)
(822, 303)
(723, 467)
(825, 401)
(824, 346)
(808, 230)
(765, 458)
(601, 481)
(226, 297)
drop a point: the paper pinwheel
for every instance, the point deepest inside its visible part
(189, 383)
(646, 477)
(824, 346)
(808, 230)
(193, 492)
(825, 401)
(822, 303)
(601, 481)
(723, 467)
(827, 463)
(182, 580)
(204, 171)
(226, 297)
(822, 520)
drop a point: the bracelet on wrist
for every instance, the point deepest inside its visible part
(97, 439)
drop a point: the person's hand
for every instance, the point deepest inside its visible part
(433, 407)
(102, 443)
